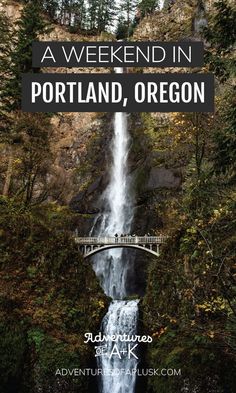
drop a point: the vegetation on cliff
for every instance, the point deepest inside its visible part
(189, 306)
(49, 299)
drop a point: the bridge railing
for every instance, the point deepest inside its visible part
(121, 240)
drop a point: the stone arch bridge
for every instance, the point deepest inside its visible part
(89, 246)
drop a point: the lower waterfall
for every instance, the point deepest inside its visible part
(121, 319)
(111, 267)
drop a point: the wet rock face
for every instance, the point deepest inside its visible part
(162, 178)
(74, 136)
(87, 201)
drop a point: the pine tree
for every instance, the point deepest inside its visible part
(225, 138)
(127, 9)
(146, 7)
(79, 15)
(106, 14)
(93, 7)
(64, 12)
(51, 7)
(121, 30)
(222, 30)
(100, 14)
(221, 35)
(6, 44)
(34, 155)
(30, 26)
(16, 58)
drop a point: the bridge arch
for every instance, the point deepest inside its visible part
(96, 250)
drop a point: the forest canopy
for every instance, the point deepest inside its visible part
(96, 16)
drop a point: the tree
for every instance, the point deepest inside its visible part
(51, 7)
(33, 158)
(6, 43)
(30, 26)
(147, 7)
(225, 137)
(121, 31)
(106, 14)
(221, 32)
(65, 12)
(100, 14)
(79, 15)
(221, 35)
(93, 6)
(16, 59)
(127, 9)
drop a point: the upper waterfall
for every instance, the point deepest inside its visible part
(118, 215)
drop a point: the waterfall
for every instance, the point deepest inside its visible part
(199, 21)
(121, 319)
(161, 4)
(111, 267)
(117, 218)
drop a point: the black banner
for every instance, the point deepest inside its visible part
(118, 92)
(118, 54)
